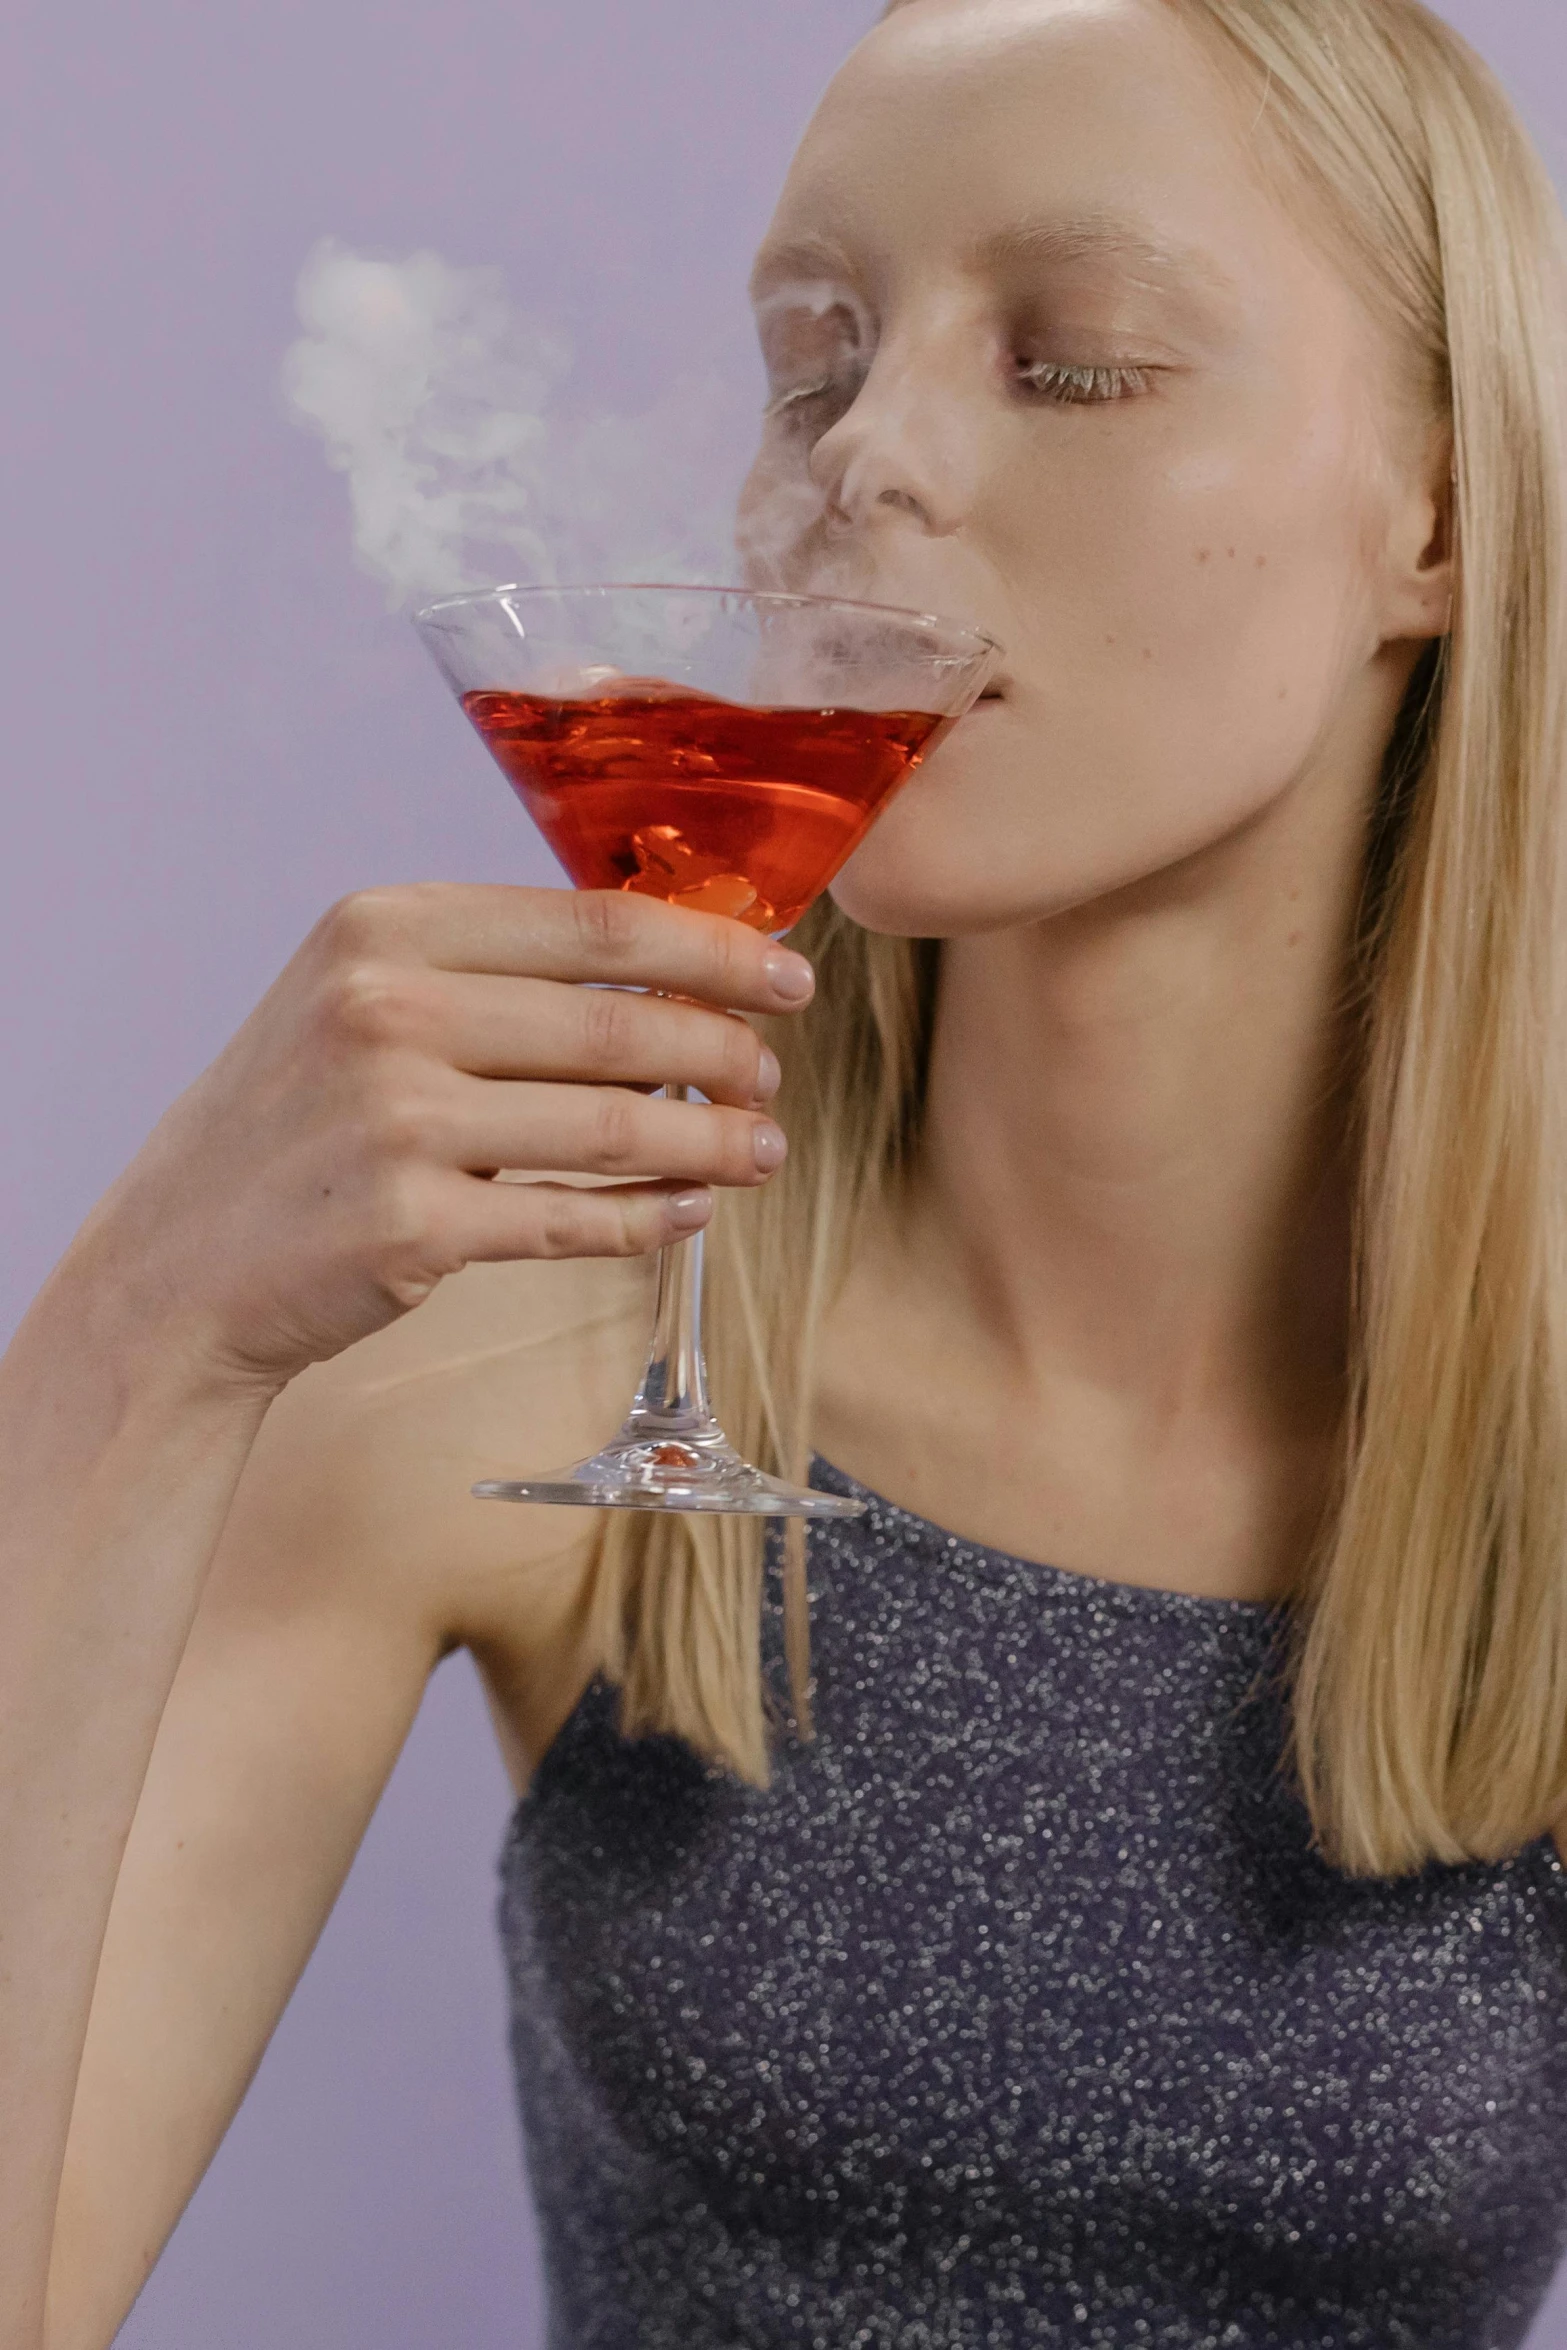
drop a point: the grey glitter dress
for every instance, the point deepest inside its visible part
(1018, 2010)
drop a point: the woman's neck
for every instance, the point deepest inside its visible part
(1119, 1277)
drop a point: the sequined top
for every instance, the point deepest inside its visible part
(1018, 2010)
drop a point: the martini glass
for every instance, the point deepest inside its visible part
(725, 751)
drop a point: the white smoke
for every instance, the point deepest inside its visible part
(440, 404)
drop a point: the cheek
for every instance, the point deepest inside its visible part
(1163, 573)
(1184, 626)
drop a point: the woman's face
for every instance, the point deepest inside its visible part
(1048, 354)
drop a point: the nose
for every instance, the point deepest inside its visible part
(907, 446)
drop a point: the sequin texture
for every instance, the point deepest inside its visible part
(1018, 2010)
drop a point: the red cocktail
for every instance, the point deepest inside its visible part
(706, 803)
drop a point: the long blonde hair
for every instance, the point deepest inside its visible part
(1430, 1659)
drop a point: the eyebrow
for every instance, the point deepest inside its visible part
(800, 257)
(1086, 237)
(1104, 237)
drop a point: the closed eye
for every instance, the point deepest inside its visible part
(814, 408)
(1046, 380)
(1082, 387)
(796, 398)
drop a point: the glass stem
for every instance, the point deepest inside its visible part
(673, 1393)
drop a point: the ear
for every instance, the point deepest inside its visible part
(1418, 602)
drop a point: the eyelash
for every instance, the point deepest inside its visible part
(1061, 387)
(795, 406)
(1082, 387)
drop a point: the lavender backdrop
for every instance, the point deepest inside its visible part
(214, 727)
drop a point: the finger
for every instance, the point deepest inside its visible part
(614, 1036)
(511, 1220)
(572, 935)
(599, 1130)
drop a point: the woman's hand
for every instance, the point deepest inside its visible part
(334, 1164)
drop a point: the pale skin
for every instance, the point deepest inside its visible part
(1091, 379)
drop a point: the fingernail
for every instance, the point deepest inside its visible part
(768, 1076)
(688, 1211)
(771, 1147)
(789, 975)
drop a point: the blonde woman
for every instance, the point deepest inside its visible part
(1109, 1893)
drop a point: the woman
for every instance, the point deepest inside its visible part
(1165, 1944)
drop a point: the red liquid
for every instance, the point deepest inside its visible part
(705, 803)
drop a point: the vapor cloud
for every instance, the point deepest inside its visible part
(443, 408)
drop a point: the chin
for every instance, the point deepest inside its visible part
(937, 895)
(1026, 832)
(961, 850)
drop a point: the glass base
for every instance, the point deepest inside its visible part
(692, 1467)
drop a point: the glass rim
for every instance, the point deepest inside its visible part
(468, 597)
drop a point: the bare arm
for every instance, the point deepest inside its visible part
(117, 1473)
(323, 1178)
(351, 1542)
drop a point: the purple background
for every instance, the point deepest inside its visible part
(214, 728)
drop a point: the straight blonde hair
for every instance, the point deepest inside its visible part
(1429, 1664)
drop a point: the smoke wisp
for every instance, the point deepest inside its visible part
(441, 405)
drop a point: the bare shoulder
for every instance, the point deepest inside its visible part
(363, 1467)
